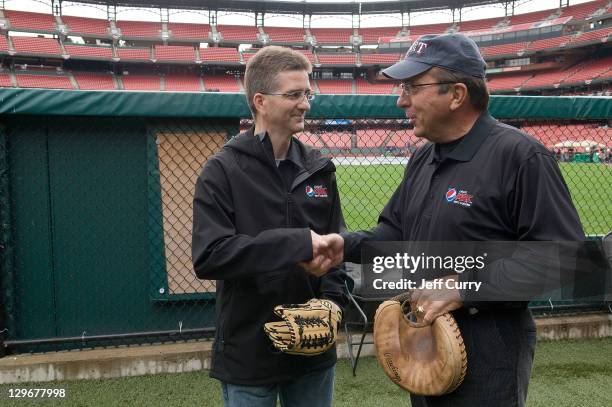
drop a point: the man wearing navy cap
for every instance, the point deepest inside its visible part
(511, 188)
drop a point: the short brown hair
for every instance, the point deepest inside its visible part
(477, 87)
(263, 68)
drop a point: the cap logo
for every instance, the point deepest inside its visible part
(417, 47)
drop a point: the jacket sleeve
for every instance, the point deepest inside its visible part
(542, 211)
(218, 252)
(332, 285)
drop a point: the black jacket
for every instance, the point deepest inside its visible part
(248, 234)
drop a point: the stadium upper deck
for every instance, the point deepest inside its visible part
(525, 52)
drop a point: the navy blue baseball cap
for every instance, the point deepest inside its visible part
(454, 52)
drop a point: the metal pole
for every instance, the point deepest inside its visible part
(7, 298)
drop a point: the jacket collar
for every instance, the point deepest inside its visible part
(307, 158)
(471, 142)
(293, 154)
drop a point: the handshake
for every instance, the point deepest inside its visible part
(327, 252)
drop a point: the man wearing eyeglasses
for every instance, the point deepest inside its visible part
(511, 190)
(255, 204)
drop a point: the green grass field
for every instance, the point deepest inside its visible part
(365, 189)
(566, 373)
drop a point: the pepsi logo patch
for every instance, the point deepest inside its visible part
(451, 194)
(317, 191)
(459, 197)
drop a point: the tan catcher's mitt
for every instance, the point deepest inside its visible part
(428, 360)
(306, 329)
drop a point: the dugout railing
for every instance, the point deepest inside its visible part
(96, 190)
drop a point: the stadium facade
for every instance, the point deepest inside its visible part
(565, 50)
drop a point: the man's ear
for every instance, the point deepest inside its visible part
(459, 96)
(259, 102)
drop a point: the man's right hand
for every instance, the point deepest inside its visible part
(327, 252)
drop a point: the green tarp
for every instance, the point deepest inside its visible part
(187, 104)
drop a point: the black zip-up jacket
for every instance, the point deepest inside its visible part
(249, 233)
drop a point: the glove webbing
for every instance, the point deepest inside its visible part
(314, 341)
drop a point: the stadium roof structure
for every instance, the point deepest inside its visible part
(299, 7)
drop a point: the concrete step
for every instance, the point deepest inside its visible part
(195, 356)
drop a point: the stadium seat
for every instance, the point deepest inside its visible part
(174, 53)
(219, 55)
(90, 26)
(283, 35)
(335, 86)
(125, 53)
(139, 29)
(43, 81)
(333, 36)
(182, 83)
(371, 35)
(94, 81)
(31, 22)
(189, 31)
(141, 82)
(238, 33)
(89, 52)
(379, 59)
(36, 46)
(366, 88)
(221, 84)
(336, 59)
(5, 80)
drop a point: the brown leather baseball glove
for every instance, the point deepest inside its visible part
(424, 359)
(306, 329)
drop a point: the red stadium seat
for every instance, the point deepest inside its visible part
(36, 46)
(379, 59)
(221, 84)
(219, 55)
(139, 29)
(89, 52)
(125, 53)
(141, 82)
(94, 81)
(366, 88)
(335, 86)
(336, 59)
(182, 83)
(334, 139)
(82, 25)
(43, 81)
(507, 82)
(238, 33)
(285, 34)
(174, 53)
(5, 80)
(371, 35)
(332, 35)
(189, 31)
(26, 21)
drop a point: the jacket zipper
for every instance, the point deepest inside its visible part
(299, 180)
(288, 213)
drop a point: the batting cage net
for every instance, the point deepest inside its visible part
(96, 195)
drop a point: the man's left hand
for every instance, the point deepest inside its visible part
(428, 304)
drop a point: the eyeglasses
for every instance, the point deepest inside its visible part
(409, 89)
(296, 96)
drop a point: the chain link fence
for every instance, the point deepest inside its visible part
(100, 214)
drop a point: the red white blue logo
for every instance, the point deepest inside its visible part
(318, 191)
(451, 194)
(459, 197)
